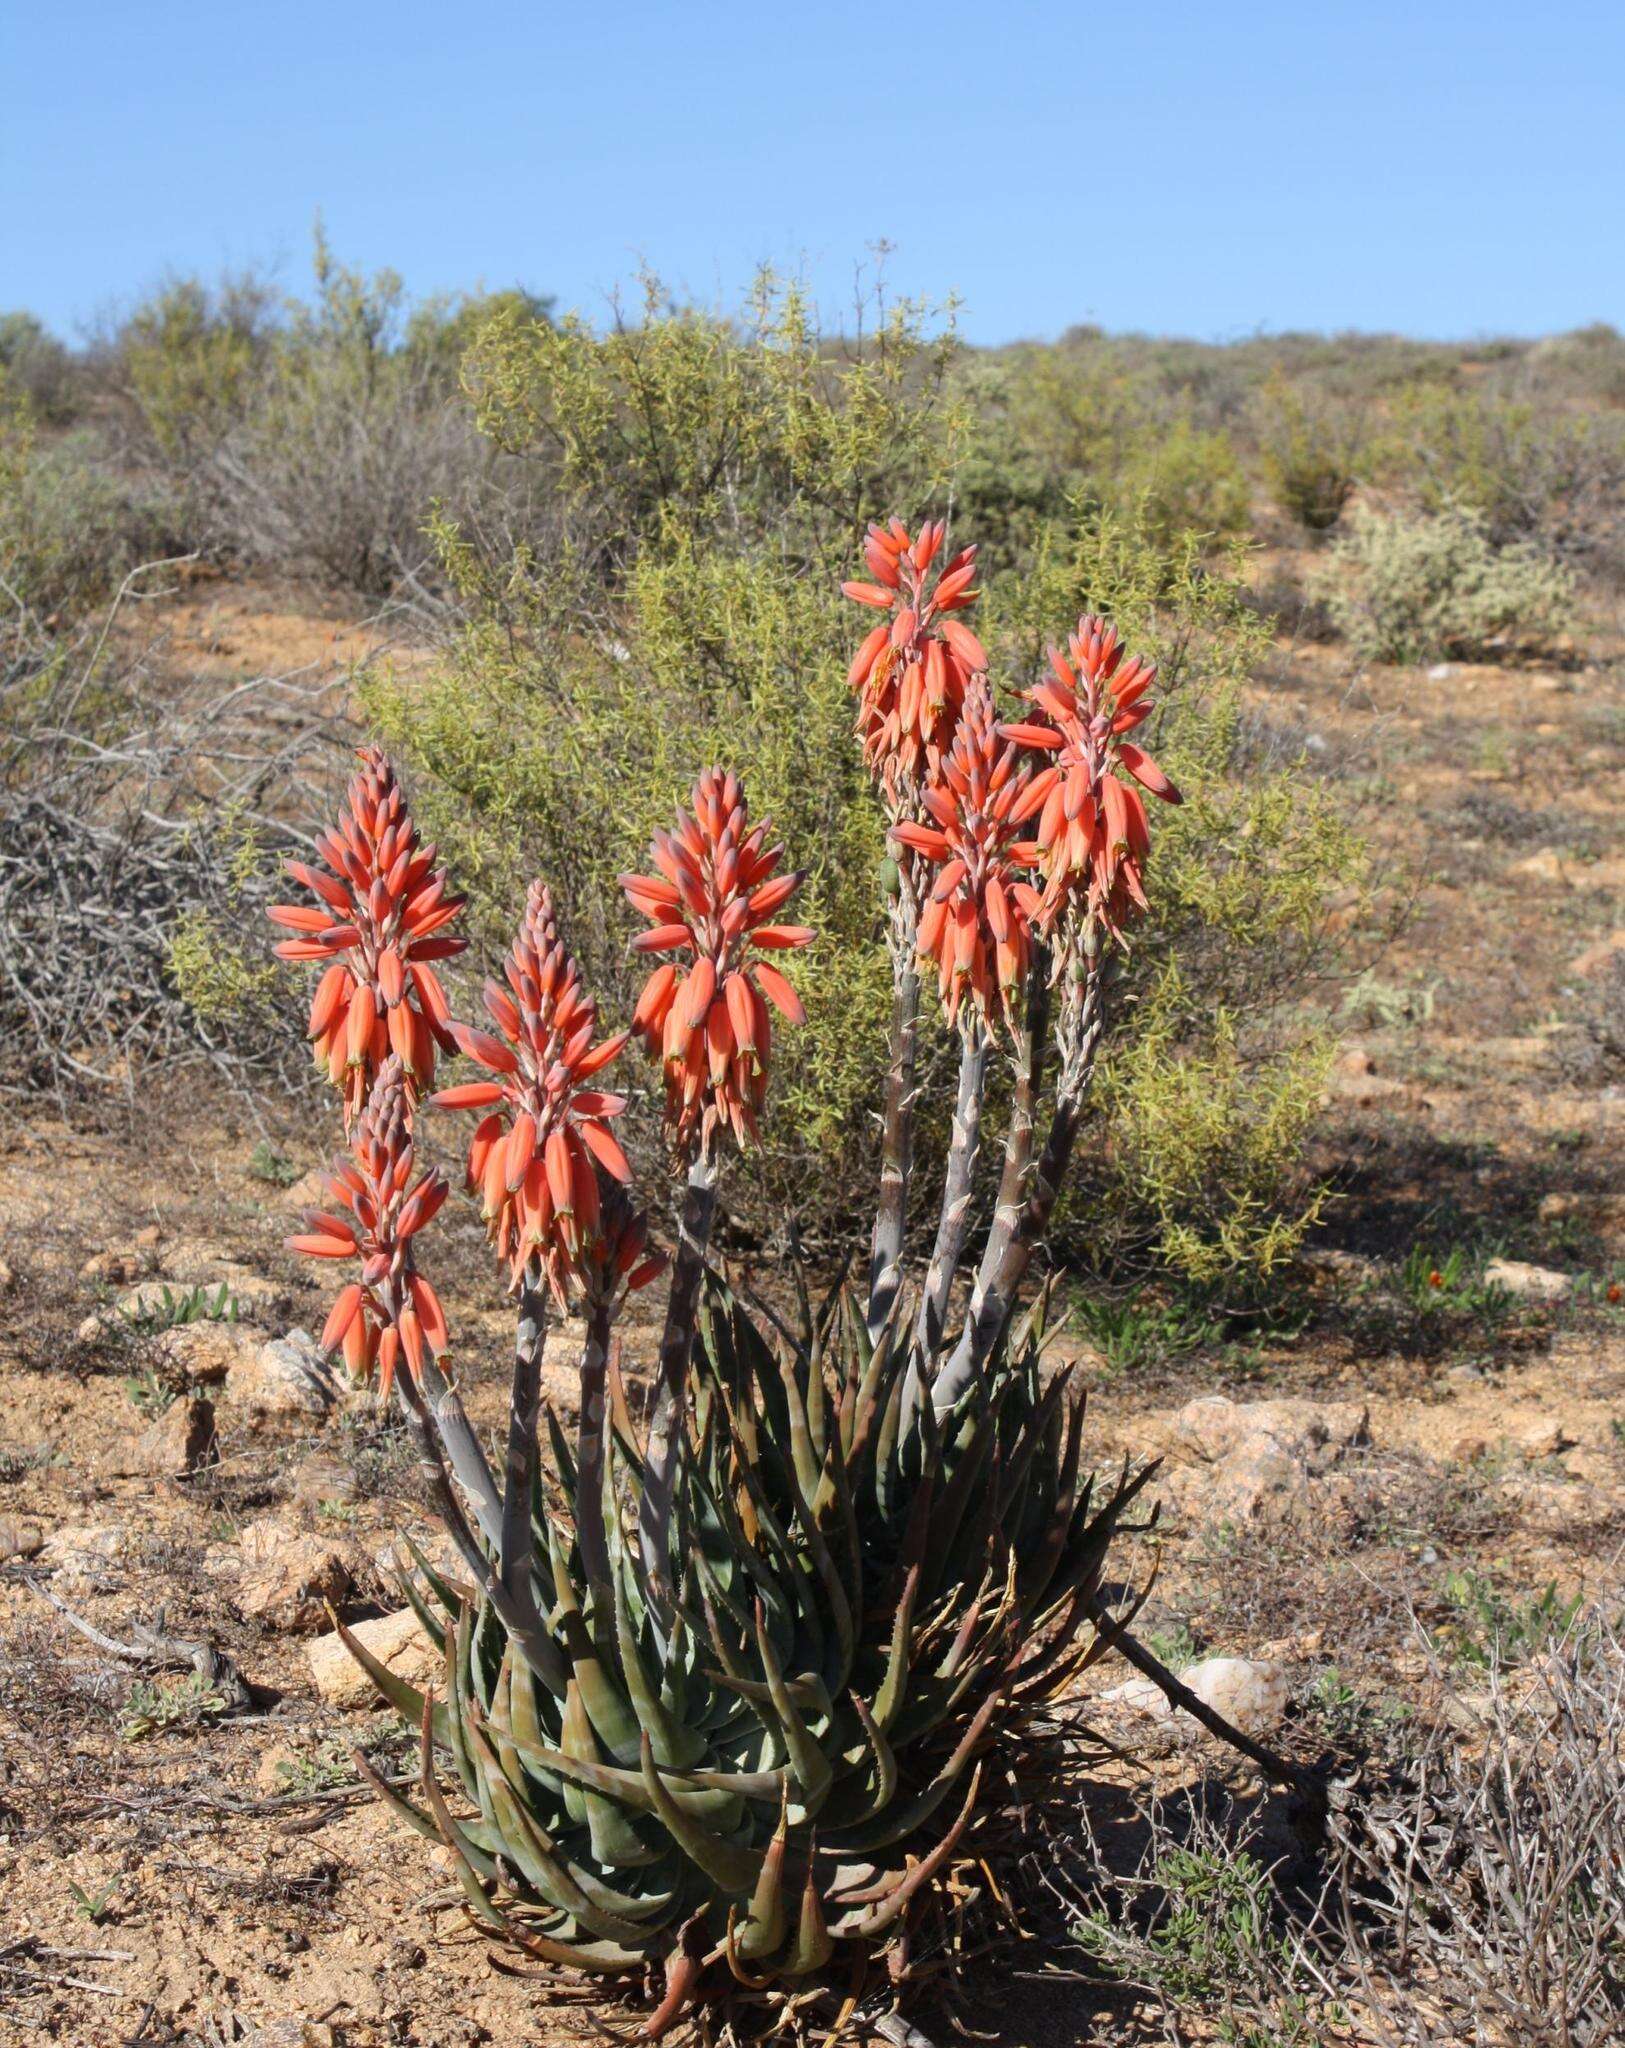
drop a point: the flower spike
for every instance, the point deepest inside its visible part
(1092, 833)
(537, 1155)
(391, 1312)
(977, 921)
(912, 671)
(379, 920)
(714, 904)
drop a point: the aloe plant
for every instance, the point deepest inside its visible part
(718, 1695)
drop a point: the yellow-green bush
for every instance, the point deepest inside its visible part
(712, 480)
(1243, 874)
(1527, 471)
(71, 526)
(1312, 449)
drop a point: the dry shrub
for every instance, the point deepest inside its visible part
(1483, 1897)
(134, 834)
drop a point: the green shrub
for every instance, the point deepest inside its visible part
(37, 369)
(71, 526)
(188, 360)
(1196, 1162)
(592, 682)
(1529, 472)
(1088, 424)
(1408, 589)
(1311, 450)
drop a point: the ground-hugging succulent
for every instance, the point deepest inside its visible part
(764, 1786)
(719, 1696)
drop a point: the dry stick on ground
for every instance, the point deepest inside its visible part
(155, 1651)
(1309, 1783)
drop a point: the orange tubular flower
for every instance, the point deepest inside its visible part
(535, 1157)
(379, 920)
(713, 905)
(391, 1311)
(1092, 833)
(911, 673)
(977, 924)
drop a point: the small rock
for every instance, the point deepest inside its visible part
(1595, 1468)
(309, 1191)
(80, 1555)
(149, 1237)
(153, 1298)
(19, 1539)
(285, 1382)
(194, 1262)
(202, 1354)
(8, 1277)
(287, 1580)
(91, 1330)
(1596, 958)
(1244, 1460)
(1355, 1079)
(171, 1447)
(1441, 671)
(1548, 865)
(1138, 1696)
(1542, 1439)
(1469, 1447)
(398, 1641)
(322, 1477)
(120, 1264)
(1600, 874)
(1252, 1694)
(1529, 1283)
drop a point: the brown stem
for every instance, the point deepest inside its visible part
(519, 1465)
(1011, 1245)
(897, 1134)
(676, 1347)
(953, 1225)
(589, 1502)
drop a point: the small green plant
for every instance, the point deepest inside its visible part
(1372, 1001)
(1341, 1706)
(93, 1906)
(1175, 1645)
(1451, 1282)
(1212, 1940)
(1131, 1335)
(147, 1393)
(172, 1309)
(155, 1707)
(1489, 1628)
(331, 1764)
(266, 1163)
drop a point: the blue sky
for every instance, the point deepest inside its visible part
(1437, 168)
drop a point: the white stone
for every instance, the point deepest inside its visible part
(1251, 1694)
(398, 1641)
(1529, 1283)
